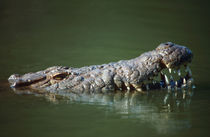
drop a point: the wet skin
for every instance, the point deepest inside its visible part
(135, 74)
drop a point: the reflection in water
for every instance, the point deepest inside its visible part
(154, 107)
(124, 102)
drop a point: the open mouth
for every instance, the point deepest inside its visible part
(171, 78)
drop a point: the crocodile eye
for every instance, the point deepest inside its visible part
(60, 76)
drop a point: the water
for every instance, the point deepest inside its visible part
(37, 34)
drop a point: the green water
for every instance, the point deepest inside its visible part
(37, 34)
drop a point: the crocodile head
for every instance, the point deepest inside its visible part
(166, 55)
(171, 63)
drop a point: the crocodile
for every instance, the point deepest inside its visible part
(142, 73)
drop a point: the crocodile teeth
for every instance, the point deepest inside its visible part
(127, 86)
(166, 80)
(190, 81)
(170, 81)
(179, 72)
(169, 70)
(139, 89)
(184, 81)
(176, 83)
(162, 77)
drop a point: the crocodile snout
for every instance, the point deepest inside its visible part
(174, 55)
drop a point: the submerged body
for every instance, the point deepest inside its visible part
(122, 75)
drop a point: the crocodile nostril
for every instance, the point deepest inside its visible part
(165, 45)
(169, 44)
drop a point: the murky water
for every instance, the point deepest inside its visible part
(37, 34)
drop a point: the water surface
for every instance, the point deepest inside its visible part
(37, 34)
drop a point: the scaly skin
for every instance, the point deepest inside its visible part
(121, 75)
